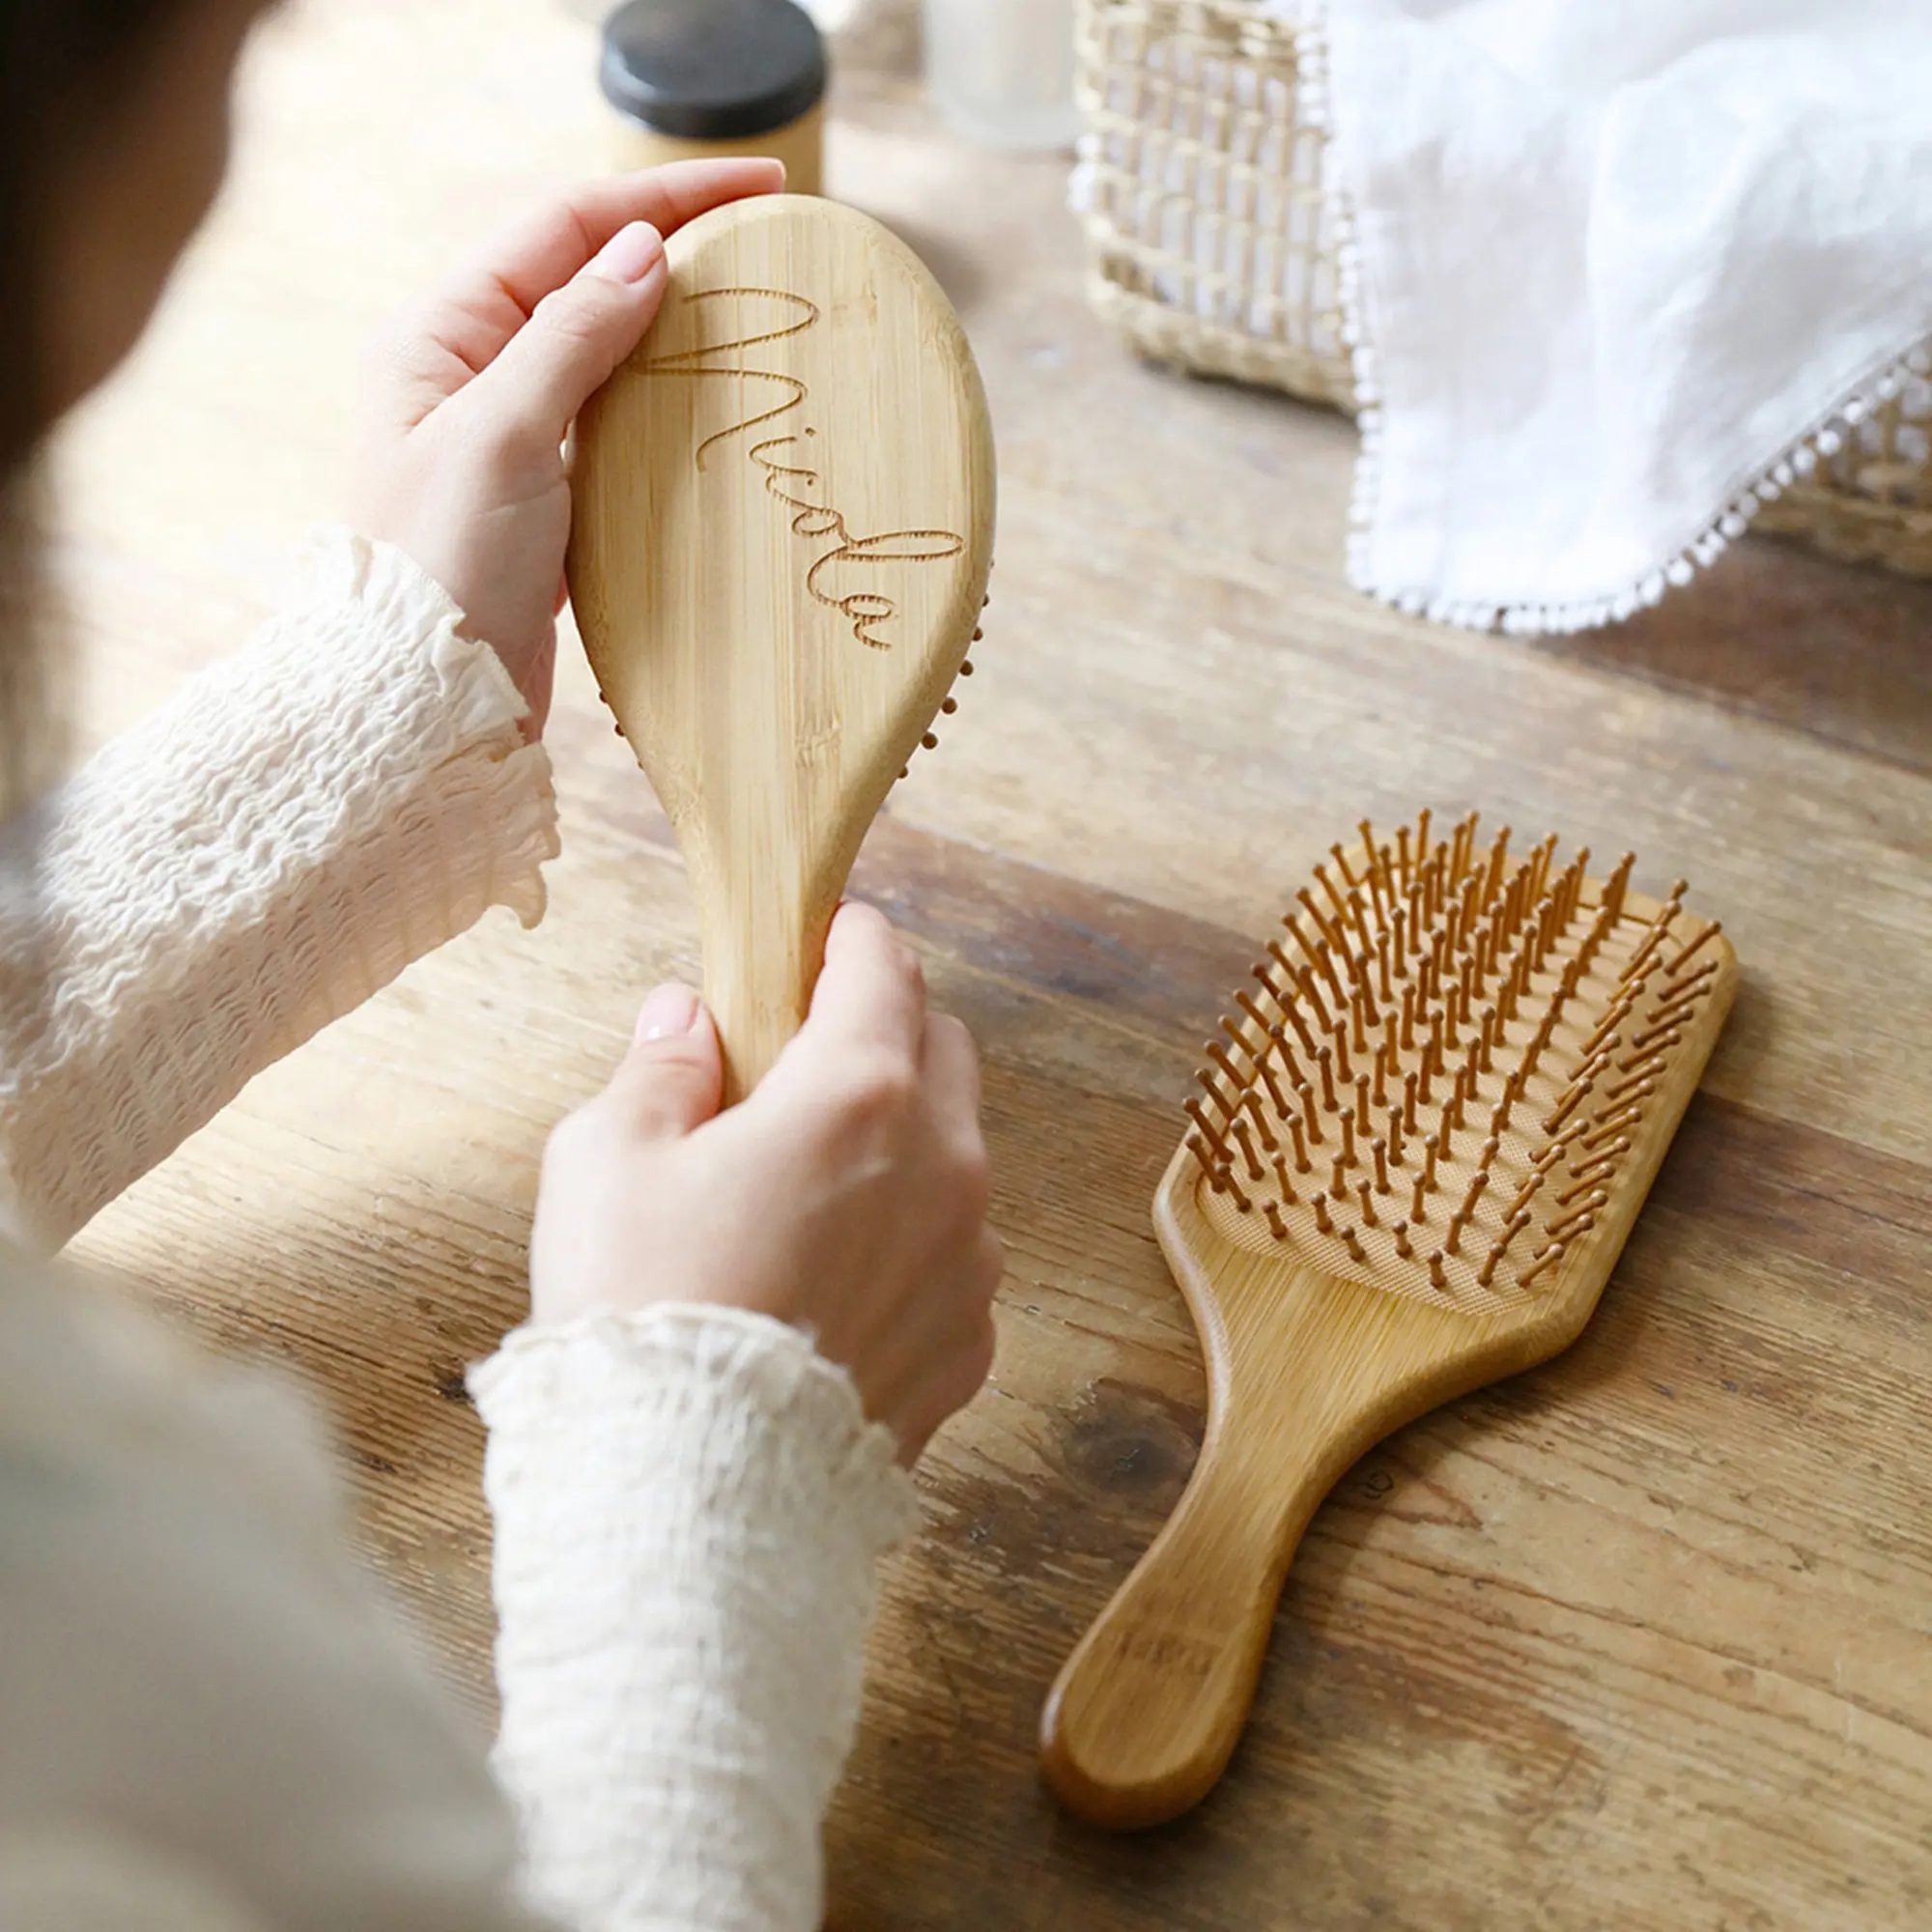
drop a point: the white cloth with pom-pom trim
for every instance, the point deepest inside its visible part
(1613, 271)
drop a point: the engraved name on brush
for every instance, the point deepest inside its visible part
(793, 484)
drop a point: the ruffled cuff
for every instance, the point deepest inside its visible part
(278, 841)
(690, 1508)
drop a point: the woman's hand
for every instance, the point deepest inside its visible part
(472, 391)
(847, 1195)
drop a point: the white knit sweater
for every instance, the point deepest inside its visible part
(210, 1719)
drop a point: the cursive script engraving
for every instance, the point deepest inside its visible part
(795, 485)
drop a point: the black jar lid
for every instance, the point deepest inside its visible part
(713, 69)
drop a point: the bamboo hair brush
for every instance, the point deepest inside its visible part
(1421, 1141)
(782, 531)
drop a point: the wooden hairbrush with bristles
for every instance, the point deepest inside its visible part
(1421, 1141)
(781, 530)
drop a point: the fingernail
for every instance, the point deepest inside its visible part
(630, 255)
(669, 1010)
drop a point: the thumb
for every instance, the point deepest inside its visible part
(672, 1079)
(575, 338)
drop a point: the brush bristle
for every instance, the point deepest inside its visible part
(949, 703)
(1443, 1064)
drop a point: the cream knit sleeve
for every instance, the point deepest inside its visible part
(261, 855)
(689, 1509)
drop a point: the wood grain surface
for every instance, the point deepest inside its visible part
(1638, 1639)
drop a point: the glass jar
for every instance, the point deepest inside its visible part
(1001, 72)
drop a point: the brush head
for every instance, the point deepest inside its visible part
(1454, 1068)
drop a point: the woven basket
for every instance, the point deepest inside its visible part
(1211, 246)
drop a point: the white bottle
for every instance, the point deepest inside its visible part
(1001, 72)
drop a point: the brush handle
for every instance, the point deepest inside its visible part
(764, 945)
(755, 1018)
(1148, 1710)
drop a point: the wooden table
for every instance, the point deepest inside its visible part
(1640, 1640)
